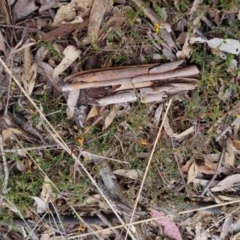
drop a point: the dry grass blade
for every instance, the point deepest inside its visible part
(5, 168)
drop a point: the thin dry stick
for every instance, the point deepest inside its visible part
(8, 95)
(59, 219)
(14, 150)
(21, 27)
(152, 219)
(5, 168)
(108, 223)
(215, 174)
(35, 227)
(58, 139)
(148, 166)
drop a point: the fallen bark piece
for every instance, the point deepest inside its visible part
(113, 73)
(164, 92)
(167, 67)
(184, 72)
(128, 96)
(152, 82)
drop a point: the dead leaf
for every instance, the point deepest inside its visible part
(94, 112)
(236, 144)
(71, 53)
(187, 166)
(176, 136)
(226, 45)
(23, 8)
(192, 172)
(42, 206)
(7, 133)
(68, 12)
(229, 156)
(226, 227)
(201, 234)
(72, 102)
(170, 228)
(30, 71)
(47, 4)
(99, 8)
(205, 164)
(203, 182)
(20, 166)
(110, 117)
(32, 79)
(133, 174)
(162, 68)
(47, 194)
(186, 50)
(226, 183)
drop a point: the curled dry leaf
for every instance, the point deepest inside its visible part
(226, 45)
(68, 12)
(94, 112)
(71, 53)
(110, 117)
(170, 228)
(170, 132)
(226, 183)
(192, 172)
(42, 206)
(205, 164)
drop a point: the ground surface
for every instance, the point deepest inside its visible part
(79, 164)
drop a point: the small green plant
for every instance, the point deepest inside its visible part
(53, 52)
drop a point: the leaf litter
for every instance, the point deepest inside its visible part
(146, 54)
